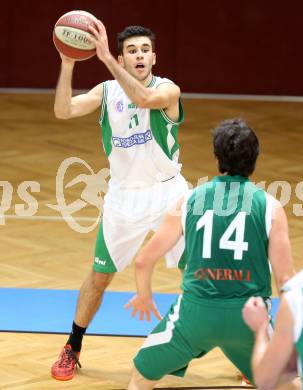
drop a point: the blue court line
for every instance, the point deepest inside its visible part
(52, 311)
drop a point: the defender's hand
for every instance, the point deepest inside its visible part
(255, 314)
(144, 307)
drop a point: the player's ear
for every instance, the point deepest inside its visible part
(121, 60)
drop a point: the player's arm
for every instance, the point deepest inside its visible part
(162, 241)
(66, 106)
(270, 357)
(279, 250)
(166, 96)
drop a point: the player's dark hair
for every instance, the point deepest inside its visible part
(135, 31)
(236, 147)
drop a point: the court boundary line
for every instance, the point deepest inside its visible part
(67, 333)
(185, 95)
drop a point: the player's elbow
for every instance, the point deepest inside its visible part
(143, 102)
(61, 114)
(145, 260)
(282, 279)
(146, 99)
(140, 263)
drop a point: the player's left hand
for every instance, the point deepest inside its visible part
(255, 313)
(100, 40)
(144, 306)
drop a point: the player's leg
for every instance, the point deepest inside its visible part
(171, 345)
(138, 382)
(90, 297)
(238, 346)
(240, 351)
(89, 300)
(240, 356)
(117, 242)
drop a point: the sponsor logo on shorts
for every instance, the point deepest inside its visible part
(135, 139)
(99, 261)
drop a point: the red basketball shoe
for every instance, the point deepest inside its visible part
(64, 368)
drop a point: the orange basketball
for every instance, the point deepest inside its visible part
(71, 35)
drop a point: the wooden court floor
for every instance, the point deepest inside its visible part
(45, 252)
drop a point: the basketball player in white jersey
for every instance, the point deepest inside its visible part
(277, 361)
(140, 115)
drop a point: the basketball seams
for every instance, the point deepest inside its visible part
(70, 51)
(76, 21)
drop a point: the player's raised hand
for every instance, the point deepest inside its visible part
(100, 40)
(255, 313)
(144, 307)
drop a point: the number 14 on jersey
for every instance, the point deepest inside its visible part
(237, 225)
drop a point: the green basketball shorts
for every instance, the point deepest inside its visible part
(192, 328)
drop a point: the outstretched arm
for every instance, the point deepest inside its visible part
(163, 97)
(161, 242)
(279, 251)
(270, 357)
(66, 106)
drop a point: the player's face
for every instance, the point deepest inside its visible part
(138, 57)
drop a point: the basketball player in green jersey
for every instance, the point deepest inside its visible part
(278, 360)
(139, 115)
(231, 229)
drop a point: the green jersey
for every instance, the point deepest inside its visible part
(226, 223)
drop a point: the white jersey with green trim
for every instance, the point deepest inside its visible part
(141, 144)
(294, 298)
